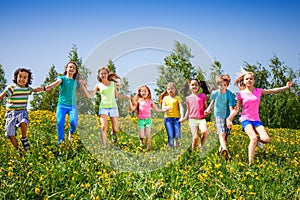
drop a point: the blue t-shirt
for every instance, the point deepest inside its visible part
(222, 103)
(67, 92)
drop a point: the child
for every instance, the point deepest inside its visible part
(107, 87)
(249, 98)
(224, 102)
(16, 106)
(196, 103)
(69, 85)
(170, 99)
(143, 103)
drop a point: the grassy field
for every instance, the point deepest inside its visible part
(84, 170)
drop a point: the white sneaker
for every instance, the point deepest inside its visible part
(70, 137)
(260, 145)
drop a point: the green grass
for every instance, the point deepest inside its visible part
(72, 171)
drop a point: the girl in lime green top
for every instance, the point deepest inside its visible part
(170, 99)
(107, 88)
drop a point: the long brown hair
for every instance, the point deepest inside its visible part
(165, 92)
(111, 76)
(76, 75)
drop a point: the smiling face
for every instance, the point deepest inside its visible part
(22, 79)
(71, 69)
(249, 80)
(144, 92)
(194, 86)
(103, 73)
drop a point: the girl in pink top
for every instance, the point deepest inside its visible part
(143, 103)
(196, 104)
(249, 98)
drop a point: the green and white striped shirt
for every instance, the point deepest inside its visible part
(17, 97)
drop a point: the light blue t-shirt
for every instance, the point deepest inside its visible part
(67, 91)
(222, 103)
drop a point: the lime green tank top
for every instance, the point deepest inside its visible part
(108, 99)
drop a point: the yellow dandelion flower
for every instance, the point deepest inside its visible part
(250, 187)
(37, 190)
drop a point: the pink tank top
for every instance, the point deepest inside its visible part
(144, 109)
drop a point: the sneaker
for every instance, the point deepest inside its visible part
(177, 142)
(114, 137)
(70, 137)
(25, 143)
(260, 145)
(226, 154)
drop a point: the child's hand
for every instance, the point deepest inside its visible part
(167, 108)
(181, 120)
(289, 84)
(228, 123)
(207, 112)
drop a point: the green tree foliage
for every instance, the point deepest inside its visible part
(280, 110)
(3, 83)
(215, 70)
(177, 68)
(46, 100)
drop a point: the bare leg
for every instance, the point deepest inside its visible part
(204, 131)
(148, 137)
(253, 140)
(103, 121)
(14, 141)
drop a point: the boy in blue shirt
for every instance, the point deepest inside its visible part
(224, 102)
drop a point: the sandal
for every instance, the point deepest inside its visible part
(25, 143)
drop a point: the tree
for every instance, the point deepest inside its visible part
(215, 70)
(46, 100)
(177, 68)
(3, 83)
(280, 110)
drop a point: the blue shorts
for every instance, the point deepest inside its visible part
(111, 112)
(253, 123)
(14, 118)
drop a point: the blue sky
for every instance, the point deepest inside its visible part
(37, 34)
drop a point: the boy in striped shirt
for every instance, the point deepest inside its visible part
(16, 106)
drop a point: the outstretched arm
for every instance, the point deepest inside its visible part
(131, 106)
(274, 90)
(2, 95)
(156, 109)
(90, 94)
(39, 89)
(208, 109)
(52, 85)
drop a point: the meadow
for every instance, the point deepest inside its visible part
(82, 169)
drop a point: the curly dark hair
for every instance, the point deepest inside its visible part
(28, 71)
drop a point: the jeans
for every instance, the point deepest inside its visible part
(173, 130)
(61, 112)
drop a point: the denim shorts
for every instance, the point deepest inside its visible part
(143, 123)
(14, 118)
(253, 123)
(111, 112)
(222, 126)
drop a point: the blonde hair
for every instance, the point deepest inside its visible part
(223, 78)
(165, 92)
(240, 80)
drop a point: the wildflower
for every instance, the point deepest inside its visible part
(37, 190)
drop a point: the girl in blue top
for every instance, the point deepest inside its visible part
(66, 100)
